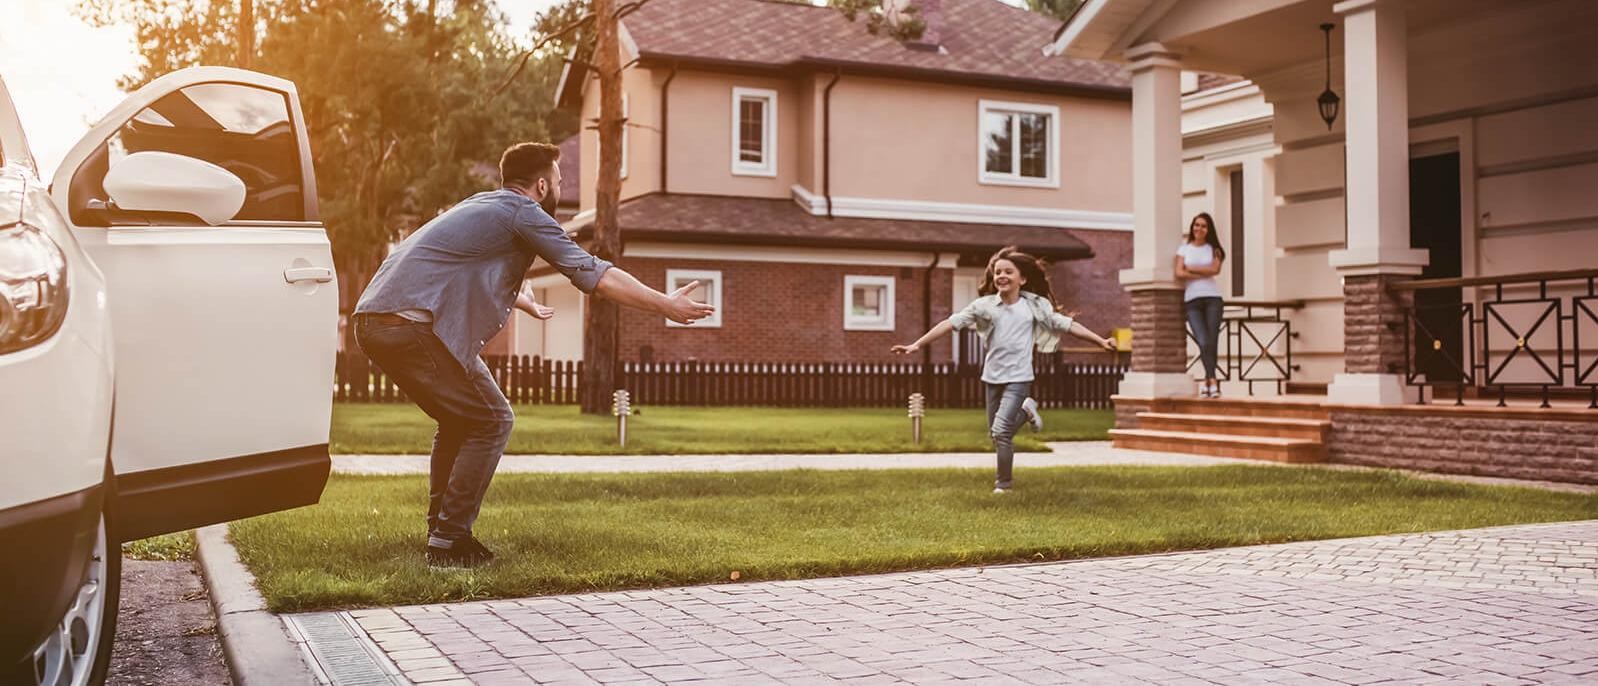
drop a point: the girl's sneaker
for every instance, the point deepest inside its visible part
(1033, 417)
(1205, 392)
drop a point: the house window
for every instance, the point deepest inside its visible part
(627, 124)
(868, 303)
(1019, 144)
(754, 132)
(709, 292)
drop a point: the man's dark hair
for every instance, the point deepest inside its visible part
(524, 163)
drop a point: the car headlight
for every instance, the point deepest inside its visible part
(33, 287)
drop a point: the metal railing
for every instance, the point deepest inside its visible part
(1492, 342)
(1255, 343)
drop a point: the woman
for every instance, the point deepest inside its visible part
(1197, 262)
(1016, 313)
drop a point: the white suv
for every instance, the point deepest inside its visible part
(168, 321)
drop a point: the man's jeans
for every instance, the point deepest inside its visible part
(1004, 417)
(474, 418)
(1204, 319)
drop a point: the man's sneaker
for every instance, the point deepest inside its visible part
(1033, 417)
(1001, 491)
(467, 552)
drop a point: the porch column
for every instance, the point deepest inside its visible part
(1377, 254)
(1159, 332)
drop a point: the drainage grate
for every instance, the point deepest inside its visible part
(339, 652)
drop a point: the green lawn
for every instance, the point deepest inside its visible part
(166, 547)
(560, 429)
(575, 533)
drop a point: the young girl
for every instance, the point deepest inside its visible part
(1197, 262)
(1016, 313)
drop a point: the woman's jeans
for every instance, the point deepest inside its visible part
(1204, 318)
(1004, 417)
(474, 418)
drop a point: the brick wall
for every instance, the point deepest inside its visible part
(1373, 333)
(1560, 447)
(1126, 412)
(1159, 331)
(1093, 287)
(784, 312)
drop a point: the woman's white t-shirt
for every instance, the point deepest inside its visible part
(1009, 358)
(1202, 255)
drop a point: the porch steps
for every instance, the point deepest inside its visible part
(1269, 448)
(1277, 430)
(1270, 427)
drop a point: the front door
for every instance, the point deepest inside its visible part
(225, 334)
(1434, 225)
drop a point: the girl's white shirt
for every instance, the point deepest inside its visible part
(1047, 325)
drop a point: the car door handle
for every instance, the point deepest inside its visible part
(317, 274)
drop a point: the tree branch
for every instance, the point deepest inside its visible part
(521, 60)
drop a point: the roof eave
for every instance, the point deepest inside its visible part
(1095, 29)
(818, 64)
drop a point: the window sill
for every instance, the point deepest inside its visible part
(1018, 181)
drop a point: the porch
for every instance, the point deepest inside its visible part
(1419, 224)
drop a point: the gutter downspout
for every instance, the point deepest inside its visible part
(826, 140)
(665, 114)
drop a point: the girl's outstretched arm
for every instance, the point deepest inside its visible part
(942, 329)
(1085, 333)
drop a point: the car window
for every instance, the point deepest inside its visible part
(243, 129)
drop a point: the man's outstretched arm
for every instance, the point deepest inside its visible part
(628, 291)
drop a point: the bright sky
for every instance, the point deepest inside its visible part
(62, 73)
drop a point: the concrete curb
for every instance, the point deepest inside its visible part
(257, 645)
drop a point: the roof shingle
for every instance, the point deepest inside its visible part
(776, 221)
(979, 38)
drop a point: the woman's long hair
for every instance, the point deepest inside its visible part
(1211, 237)
(1033, 269)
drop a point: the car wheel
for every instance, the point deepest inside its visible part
(78, 652)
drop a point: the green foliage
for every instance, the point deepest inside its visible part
(577, 533)
(1059, 9)
(397, 98)
(908, 27)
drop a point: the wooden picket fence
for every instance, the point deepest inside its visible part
(537, 381)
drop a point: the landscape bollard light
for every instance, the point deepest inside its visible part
(918, 409)
(621, 406)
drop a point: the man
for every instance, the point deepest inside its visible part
(447, 289)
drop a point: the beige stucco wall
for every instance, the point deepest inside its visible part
(1504, 90)
(641, 88)
(918, 141)
(700, 139)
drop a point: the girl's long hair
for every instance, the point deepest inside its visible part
(1211, 237)
(1033, 269)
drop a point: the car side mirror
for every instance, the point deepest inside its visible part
(153, 181)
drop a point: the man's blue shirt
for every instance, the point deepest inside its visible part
(466, 266)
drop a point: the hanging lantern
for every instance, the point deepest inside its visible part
(1328, 101)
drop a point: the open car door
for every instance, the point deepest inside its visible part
(197, 199)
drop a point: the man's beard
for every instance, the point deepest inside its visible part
(549, 203)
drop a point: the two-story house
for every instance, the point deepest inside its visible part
(836, 191)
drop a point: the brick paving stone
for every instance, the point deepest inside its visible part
(1501, 605)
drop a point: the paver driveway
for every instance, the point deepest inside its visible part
(1502, 605)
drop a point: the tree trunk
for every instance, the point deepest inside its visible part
(604, 318)
(246, 33)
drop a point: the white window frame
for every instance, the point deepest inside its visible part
(768, 165)
(854, 323)
(675, 278)
(1016, 179)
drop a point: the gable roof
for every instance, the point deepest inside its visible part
(983, 42)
